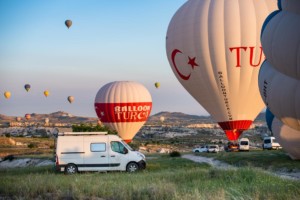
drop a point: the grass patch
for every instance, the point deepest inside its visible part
(165, 178)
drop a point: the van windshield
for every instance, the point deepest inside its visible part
(126, 145)
(244, 142)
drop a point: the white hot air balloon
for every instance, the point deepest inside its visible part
(281, 94)
(162, 119)
(288, 138)
(279, 77)
(46, 120)
(214, 50)
(123, 106)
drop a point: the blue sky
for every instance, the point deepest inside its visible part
(109, 40)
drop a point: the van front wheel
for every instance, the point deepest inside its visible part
(71, 169)
(132, 167)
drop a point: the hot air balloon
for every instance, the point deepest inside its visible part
(46, 120)
(70, 99)
(269, 119)
(214, 50)
(288, 138)
(7, 94)
(27, 87)
(123, 106)
(27, 116)
(162, 119)
(18, 119)
(279, 77)
(157, 84)
(46, 93)
(281, 39)
(68, 23)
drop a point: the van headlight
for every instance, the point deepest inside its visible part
(141, 155)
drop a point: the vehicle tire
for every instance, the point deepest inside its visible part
(197, 151)
(132, 167)
(71, 169)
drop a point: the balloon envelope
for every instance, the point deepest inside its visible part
(70, 99)
(269, 118)
(123, 106)
(18, 119)
(7, 94)
(27, 116)
(216, 57)
(280, 39)
(46, 120)
(68, 23)
(46, 93)
(162, 119)
(157, 84)
(288, 138)
(281, 94)
(27, 87)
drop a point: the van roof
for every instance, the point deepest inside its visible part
(81, 133)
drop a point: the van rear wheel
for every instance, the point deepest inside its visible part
(132, 167)
(71, 169)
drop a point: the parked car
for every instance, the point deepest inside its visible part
(213, 148)
(271, 143)
(244, 144)
(200, 149)
(207, 148)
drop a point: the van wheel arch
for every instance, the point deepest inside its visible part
(132, 167)
(71, 168)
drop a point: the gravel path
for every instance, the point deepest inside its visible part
(221, 165)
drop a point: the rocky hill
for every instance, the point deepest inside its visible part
(174, 118)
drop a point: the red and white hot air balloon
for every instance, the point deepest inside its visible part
(123, 106)
(214, 50)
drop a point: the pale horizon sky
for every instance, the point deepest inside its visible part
(110, 40)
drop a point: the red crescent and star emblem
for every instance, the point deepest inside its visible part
(191, 62)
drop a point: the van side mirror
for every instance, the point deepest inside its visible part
(125, 151)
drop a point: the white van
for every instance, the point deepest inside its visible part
(95, 151)
(271, 143)
(244, 144)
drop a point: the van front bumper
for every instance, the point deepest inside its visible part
(142, 164)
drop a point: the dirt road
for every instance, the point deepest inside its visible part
(221, 165)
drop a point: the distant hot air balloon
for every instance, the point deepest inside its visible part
(214, 50)
(46, 93)
(70, 99)
(68, 23)
(7, 94)
(123, 106)
(162, 119)
(157, 84)
(27, 116)
(46, 120)
(27, 87)
(18, 119)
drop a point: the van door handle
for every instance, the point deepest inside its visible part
(113, 156)
(102, 156)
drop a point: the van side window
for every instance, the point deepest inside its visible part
(117, 147)
(98, 147)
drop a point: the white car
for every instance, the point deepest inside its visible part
(207, 148)
(200, 149)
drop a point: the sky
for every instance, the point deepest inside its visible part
(110, 40)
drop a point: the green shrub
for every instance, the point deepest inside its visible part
(32, 145)
(175, 154)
